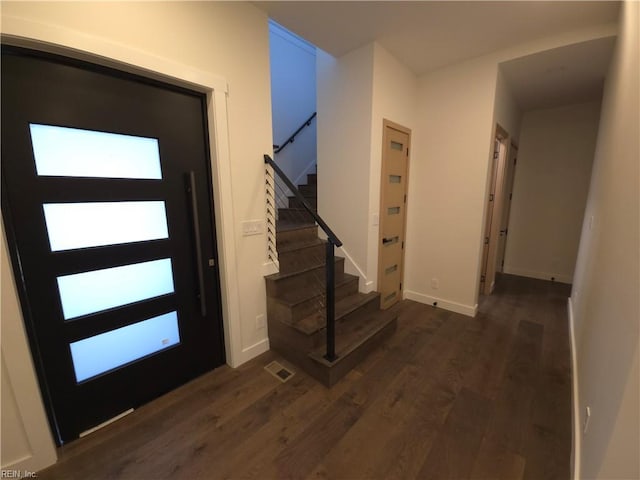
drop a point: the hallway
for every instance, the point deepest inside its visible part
(446, 397)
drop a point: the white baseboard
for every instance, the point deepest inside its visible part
(253, 351)
(366, 287)
(467, 310)
(575, 444)
(559, 277)
(351, 267)
(269, 268)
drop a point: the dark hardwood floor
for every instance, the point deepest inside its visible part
(448, 397)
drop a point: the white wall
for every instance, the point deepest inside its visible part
(395, 89)
(452, 116)
(606, 303)
(507, 116)
(457, 110)
(506, 110)
(26, 441)
(550, 190)
(345, 89)
(355, 93)
(226, 39)
(447, 184)
(293, 100)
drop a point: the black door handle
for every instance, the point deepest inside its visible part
(191, 188)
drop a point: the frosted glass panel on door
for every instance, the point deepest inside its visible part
(94, 224)
(70, 152)
(98, 290)
(107, 351)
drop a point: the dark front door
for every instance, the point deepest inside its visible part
(108, 210)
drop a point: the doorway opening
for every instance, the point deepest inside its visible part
(506, 210)
(493, 240)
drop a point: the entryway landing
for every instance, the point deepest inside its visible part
(446, 397)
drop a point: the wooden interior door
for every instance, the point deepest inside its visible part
(489, 216)
(506, 210)
(393, 214)
(495, 201)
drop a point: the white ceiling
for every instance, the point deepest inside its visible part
(561, 76)
(427, 35)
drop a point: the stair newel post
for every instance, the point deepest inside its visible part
(330, 302)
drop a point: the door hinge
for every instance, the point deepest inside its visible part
(402, 247)
(400, 285)
(502, 263)
(510, 196)
(496, 153)
(407, 151)
(506, 232)
(486, 240)
(515, 160)
(491, 197)
(405, 198)
(482, 278)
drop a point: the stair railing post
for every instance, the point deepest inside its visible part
(330, 302)
(330, 267)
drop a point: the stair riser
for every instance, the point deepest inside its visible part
(289, 237)
(310, 278)
(312, 179)
(291, 315)
(329, 376)
(302, 259)
(320, 337)
(284, 339)
(308, 190)
(372, 305)
(332, 375)
(295, 203)
(297, 216)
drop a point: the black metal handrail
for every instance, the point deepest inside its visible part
(330, 266)
(291, 139)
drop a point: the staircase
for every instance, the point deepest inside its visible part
(296, 299)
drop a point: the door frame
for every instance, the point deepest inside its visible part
(509, 180)
(494, 207)
(396, 126)
(71, 43)
(200, 332)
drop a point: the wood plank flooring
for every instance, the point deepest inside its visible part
(448, 397)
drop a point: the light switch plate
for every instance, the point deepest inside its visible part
(252, 227)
